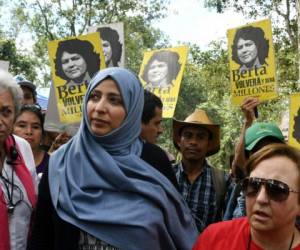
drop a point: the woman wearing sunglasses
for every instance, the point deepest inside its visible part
(29, 125)
(100, 193)
(272, 204)
(18, 181)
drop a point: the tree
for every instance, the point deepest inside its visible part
(206, 85)
(18, 63)
(56, 19)
(286, 12)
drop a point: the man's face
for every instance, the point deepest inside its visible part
(194, 143)
(266, 215)
(27, 96)
(73, 65)
(153, 129)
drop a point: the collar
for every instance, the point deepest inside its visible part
(182, 170)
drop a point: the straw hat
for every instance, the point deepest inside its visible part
(201, 119)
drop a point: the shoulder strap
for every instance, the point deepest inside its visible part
(219, 182)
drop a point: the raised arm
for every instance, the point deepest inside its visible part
(248, 107)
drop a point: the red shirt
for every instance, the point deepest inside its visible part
(229, 235)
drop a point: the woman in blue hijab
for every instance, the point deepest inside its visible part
(101, 193)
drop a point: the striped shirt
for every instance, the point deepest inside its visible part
(199, 195)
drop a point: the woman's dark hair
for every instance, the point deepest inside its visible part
(112, 36)
(256, 35)
(35, 109)
(170, 58)
(82, 47)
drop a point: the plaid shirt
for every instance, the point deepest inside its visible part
(199, 195)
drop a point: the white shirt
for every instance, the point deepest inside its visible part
(19, 220)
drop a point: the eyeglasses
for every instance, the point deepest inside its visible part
(276, 190)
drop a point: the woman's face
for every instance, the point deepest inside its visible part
(266, 214)
(157, 72)
(105, 108)
(29, 127)
(107, 50)
(73, 65)
(7, 115)
(246, 51)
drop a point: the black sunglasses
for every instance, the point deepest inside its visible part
(276, 190)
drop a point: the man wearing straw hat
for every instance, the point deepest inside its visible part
(202, 186)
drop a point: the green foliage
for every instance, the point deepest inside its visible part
(138, 38)
(56, 19)
(205, 82)
(206, 85)
(18, 63)
(214, 62)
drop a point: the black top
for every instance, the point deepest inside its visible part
(51, 232)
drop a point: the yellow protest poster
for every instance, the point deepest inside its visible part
(73, 62)
(294, 127)
(252, 61)
(161, 73)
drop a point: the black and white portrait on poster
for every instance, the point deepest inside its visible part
(112, 37)
(161, 70)
(250, 48)
(76, 61)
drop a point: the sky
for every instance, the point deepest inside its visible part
(189, 21)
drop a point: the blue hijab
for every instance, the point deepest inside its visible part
(102, 186)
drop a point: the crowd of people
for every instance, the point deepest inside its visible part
(110, 186)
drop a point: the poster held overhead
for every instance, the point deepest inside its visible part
(73, 62)
(161, 73)
(252, 62)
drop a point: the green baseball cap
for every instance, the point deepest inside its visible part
(260, 130)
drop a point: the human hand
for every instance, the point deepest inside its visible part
(248, 107)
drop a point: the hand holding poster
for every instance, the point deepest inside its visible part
(252, 64)
(73, 62)
(161, 73)
(294, 128)
(112, 37)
